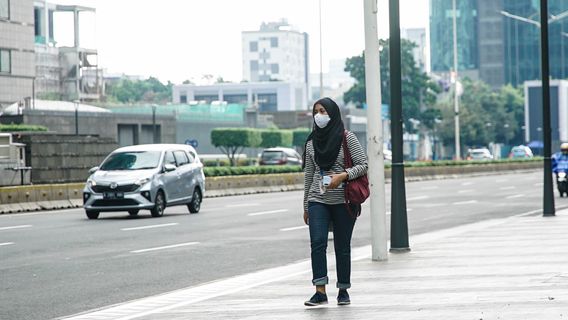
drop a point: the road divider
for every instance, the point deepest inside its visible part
(62, 196)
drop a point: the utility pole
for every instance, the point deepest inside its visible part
(375, 138)
(154, 123)
(548, 198)
(399, 223)
(456, 97)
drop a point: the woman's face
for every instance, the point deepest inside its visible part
(319, 109)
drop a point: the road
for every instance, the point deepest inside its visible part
(58, 263)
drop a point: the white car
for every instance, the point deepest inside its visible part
(151, 176)
(479, 154)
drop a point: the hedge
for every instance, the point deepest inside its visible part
(20, 128)
(239, 171)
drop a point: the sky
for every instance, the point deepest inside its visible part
(177, 40)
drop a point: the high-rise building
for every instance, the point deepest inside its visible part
(420, 53)
(17, 67)
(275, 52)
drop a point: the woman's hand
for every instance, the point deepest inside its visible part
(337, 179)
(306, 219)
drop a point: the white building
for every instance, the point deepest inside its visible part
(275, 52)
(269, 96)
(420, 53)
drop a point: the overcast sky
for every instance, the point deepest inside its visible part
(182, 39)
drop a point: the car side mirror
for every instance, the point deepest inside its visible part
(169, 167)
(93, 170)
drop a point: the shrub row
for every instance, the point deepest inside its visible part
(20, 128)
(239, 171)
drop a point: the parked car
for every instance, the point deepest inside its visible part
(280, 156)
(479, 154)
(520, 152)
(152, 176)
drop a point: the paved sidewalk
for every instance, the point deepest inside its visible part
(514, 268)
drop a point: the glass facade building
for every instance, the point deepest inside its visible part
(441, 35)
(522, 41)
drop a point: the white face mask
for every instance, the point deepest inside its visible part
(321, 120)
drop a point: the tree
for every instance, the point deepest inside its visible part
(149, 90)
(418, 90)
(276, 138)
(232, 141)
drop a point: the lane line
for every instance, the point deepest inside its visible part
(294, 228)
(165, 247)
(6, 243)
(430, 188)
(266, 212)
(508, 188)
(466, 191)
(539, 184)
(465, 202)
(16, 227)
(417, 198)
(515, 196)
(151, 226)
(242, 205)
(467, 183)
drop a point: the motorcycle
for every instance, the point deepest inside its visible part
(562, 183)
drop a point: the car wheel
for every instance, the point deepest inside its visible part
(195, 203)
(92, 214)
(159, 205)
(133, 213)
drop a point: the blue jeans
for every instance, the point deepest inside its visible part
(320, 215)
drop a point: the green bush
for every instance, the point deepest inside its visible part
(226, 163)
(300, 136)
(20, 128)
(239, 171)
(232, 141)
(276, 138)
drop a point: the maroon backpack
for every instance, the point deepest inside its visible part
(356, 190)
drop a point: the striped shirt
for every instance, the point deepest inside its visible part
(312, 176)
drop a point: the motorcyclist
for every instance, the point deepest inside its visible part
(560, 159)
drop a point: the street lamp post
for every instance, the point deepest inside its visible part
(456, 97)
(154, 123)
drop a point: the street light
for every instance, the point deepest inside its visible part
(154, 106)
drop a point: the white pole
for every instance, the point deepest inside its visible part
(375, 134)
(456, 98)
(321, 59)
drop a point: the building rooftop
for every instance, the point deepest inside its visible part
(49, 105)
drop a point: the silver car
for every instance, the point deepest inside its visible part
(152, 176)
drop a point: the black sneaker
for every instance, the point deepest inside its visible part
(343, 297)
(317, 299)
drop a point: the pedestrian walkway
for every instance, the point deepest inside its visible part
(514, 268)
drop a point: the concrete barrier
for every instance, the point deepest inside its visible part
(69, 195)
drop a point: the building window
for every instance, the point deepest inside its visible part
(274, 68)
(236, 98)
(253, 46)
(274, 42)
(208, 98)
(4, 9)
(267, 102)
(254, 66)
(5, 61)
(183, 98)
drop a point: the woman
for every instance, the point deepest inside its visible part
(324, 200)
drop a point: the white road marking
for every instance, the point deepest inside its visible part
(465, 202)
(294, 228)
(166, 247)
(429, 188)
(466, 191)
(515, 196)
(501, 180)
(150, 226)
(508, 188)
(242, 205)
(467, 183)
(417, 198)
(6, 243)
(539, 184)
(16, 227)
(266, 212)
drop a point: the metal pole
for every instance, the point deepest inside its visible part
(76, 118)
(456, 98)
(320, 47)
(375, 139)
(154, 124)
(33, 93)
(399, 224)
(548, 199)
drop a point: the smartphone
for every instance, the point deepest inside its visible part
(326, 180)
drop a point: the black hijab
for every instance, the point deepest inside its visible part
(327, 141)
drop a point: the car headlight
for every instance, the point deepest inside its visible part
(91, 183)
(142, 182)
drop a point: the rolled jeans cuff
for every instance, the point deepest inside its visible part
(343, 285)
(321, 281)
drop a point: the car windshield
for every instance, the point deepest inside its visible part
(132, 161)
(272, 155)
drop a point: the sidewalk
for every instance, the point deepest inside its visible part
(514, 268)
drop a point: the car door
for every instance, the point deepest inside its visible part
(185, 173)
(171, 179)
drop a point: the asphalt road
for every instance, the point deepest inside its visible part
(58, 263)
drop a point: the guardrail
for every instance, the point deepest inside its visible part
(61, 196)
